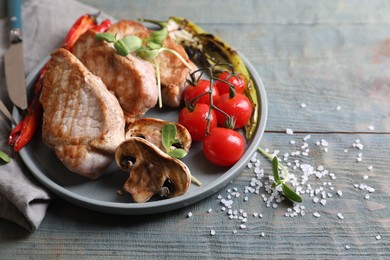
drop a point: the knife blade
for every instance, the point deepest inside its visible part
(13, 59)
(4, 110)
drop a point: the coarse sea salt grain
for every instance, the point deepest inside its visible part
(189, 214)
(340, 216)
(303, 105)
(371, 128)
(262, 234)
(378, 237)
(289, 131)
(212, 232)
(316, 214)
(347, 247)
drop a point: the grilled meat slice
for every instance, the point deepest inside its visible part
(131, 79)
(173, 72)
(82, 120)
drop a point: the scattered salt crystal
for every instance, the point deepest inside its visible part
(370, 168)
(345, 150)
(189, 214)
(324, 143)
(262, 234)
(289, 131)
(242, 226)
(292, 142)
(367, 197)
(365, 177)
(209, 210)
(347, 247)
(338, 108)
(307, 137)
(371, 128)
(316, 214)
(340, 216)
(323, 202)
(212, 232)
(340, 193)
(378, 237)
(303, 105)
(234, 231)
(315, 199)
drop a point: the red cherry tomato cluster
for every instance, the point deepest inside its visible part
(213, 114)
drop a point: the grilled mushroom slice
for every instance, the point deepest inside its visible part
(151, 170)
(151, 128)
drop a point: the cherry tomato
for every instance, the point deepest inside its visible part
(237, 80)
(239, 107)
(223, 146)
(195, 121)
(203, 86)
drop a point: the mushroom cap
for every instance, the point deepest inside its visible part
(151, 129)
(150, 170)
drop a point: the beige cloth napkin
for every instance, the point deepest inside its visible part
(45, 24)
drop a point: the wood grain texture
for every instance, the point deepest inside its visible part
(324, 54)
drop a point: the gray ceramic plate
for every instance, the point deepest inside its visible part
(102, 195)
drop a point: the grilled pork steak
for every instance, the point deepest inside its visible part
(82, 120)
(131, 79)
(173, 72)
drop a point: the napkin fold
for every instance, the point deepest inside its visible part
(45, 24)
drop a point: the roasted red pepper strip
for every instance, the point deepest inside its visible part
(82, 24)
(25, 130)
(102, 27)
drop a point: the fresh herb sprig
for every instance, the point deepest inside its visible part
(4, 158)
(168, 139)
(287, 190)
(147, 49)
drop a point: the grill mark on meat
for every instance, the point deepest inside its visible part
(173, 72)
(82, 120)
(131, 79)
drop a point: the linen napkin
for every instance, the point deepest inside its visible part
(45, 24)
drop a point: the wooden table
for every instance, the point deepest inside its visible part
(326, 70)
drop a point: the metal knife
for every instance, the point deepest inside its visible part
(13, 59)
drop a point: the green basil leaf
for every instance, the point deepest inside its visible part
(178, 153)
(148, 55)
(132, 42)
(159, 36)
(275, 169)
(154, 46)
(121, 47)
(290, 194)
(168, 135)
(108, 37)
(4, 157)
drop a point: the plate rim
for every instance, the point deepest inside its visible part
(159, 206)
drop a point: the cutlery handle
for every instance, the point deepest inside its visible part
(15, 14)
